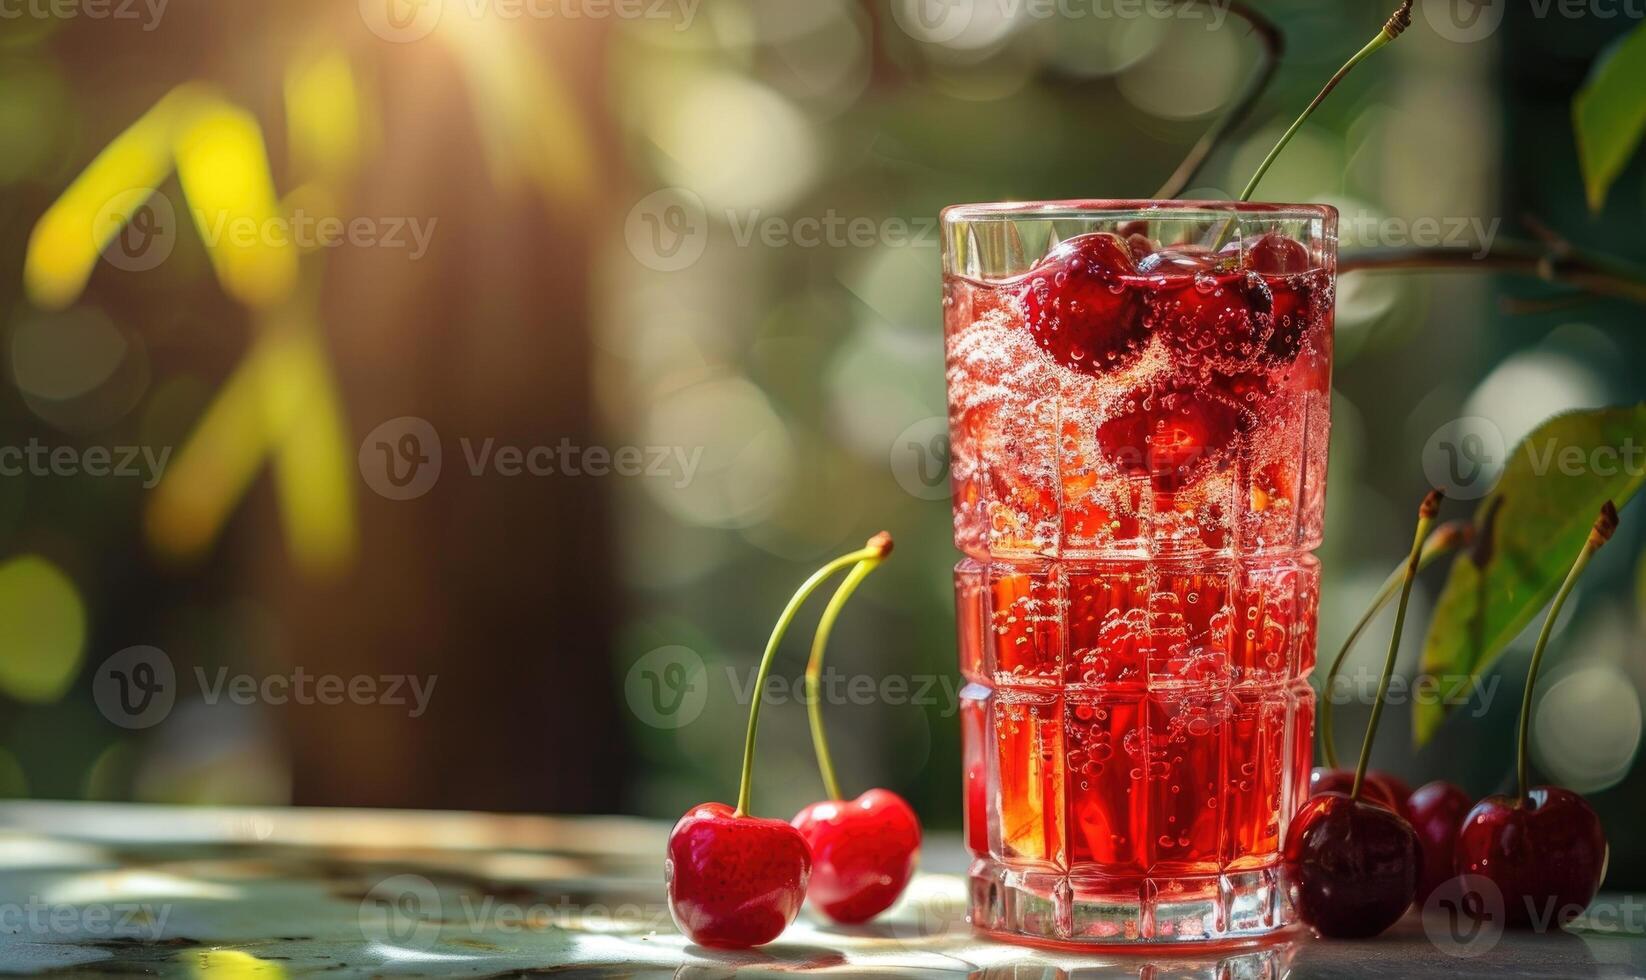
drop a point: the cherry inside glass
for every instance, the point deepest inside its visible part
(1139, 405)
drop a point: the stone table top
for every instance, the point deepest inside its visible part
(116, 890)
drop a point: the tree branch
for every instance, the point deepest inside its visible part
(1598, 275)
(1274, 47)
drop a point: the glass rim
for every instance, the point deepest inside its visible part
(1082, 208)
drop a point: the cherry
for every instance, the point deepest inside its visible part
(1375, 791)
(1436, 811)
(1221, 318)
(1545, 852)
(1170, 432)
(1275, 254)
(1299, 302)
(734, 881)
(1354, 865)
(1080, 307)
(863, 853)
(865, 850)
(1545, 849)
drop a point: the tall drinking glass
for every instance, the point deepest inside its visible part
(1139, 399)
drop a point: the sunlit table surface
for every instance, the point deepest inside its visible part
(109, 890)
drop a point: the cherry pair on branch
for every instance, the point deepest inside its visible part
(735, 880)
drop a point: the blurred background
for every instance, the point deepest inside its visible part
(449, 426)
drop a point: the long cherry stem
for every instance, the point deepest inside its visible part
(1425, 519)
(782, 627)
(1446, 539)
(814, 669)
(1393, 28)
(1605, 525)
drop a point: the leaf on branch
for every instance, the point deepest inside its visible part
(1529, 527)
(1609, 115)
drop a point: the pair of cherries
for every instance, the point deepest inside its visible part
(1360, 855)
(736, 881)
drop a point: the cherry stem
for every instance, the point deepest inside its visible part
(1273, 48)
(1393, 28)
(1605, 524)
(814, 670)
(1446, 539)
(1425, 519)
(782, 627)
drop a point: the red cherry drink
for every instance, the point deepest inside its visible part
(1139, 403)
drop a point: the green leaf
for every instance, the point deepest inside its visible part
(1529, 529)
(1609, 114)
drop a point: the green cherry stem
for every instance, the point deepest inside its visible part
(1602, 532)
(1393, 28)
(800, 596)
(814, 666)
(1425, 519)
(1447, 538)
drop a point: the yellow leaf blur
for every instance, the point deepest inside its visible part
(323, 116)
(313, 466)
(69, 237)
(224, 169)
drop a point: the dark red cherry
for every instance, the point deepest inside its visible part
(1223, 319)
(734, 881)
(1546, 854)
(1436, 811)
(863, 853)
(1275, 254)
(1080, 306)
(1300, 302)
(1354, 866)
(1170, 433)
(1377, 788)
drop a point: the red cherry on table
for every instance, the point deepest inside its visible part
(863, 853)
(1080, 307)
(1354, 866)
(1436, 811)
(1545, 852)
(1380, 788)
(734, 881)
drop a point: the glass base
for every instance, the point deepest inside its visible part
(1050, 908)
